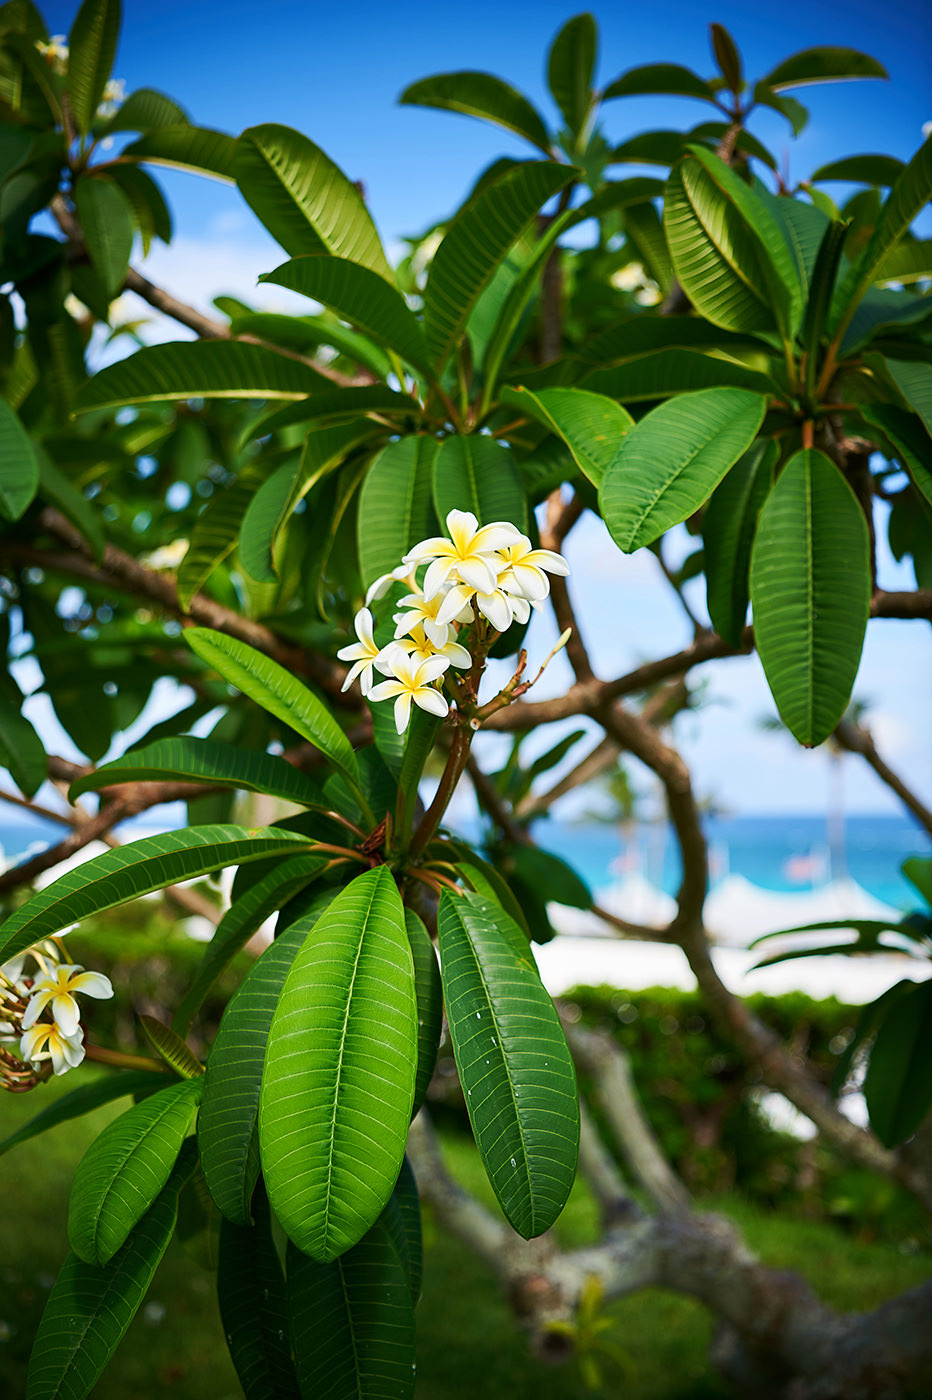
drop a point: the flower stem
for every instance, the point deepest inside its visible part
(117, 1057)
(456, 764)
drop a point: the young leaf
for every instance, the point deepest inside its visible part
(204, 761)
(340, 1071)
(107, 224)
(91, 51)
(823, 65)
(210, 369)
(810, 593)
(484, 96)
(22, 752)
(726, 56)
(123, 1170)
(227, 1129)
(476, 242)
(304, 199)
(19, 468)
(570, 70)
(278, 692)
(728, 528)
(253, 1305)
(671, 461)
(513, 1061)
(551, 877)
(90, 1308)
(358, 295)
(133, 870)
(898, 1084)
(171, 1048)
(395, 505)
(352, 1321)
(478, 474)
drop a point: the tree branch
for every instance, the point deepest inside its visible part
(856, 738)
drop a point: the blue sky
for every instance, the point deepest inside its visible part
(335, 72)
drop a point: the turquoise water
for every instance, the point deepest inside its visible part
(776, 853)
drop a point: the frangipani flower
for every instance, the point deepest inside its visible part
(418, 645)
(378, 588)
(46, 1041)
(57, 987)
(467, 556)
(499, 607)
(362, 653)
(421, 611)
(523, 573)
(412, 682)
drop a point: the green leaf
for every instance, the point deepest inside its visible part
(795, 113)
(91, 51)
(823, 65)
(19, 467)
(340, 1070)
(332, 406)
(489, 882)
(405, 1197)
(352, 1322)
(278, 692)
(726, 56)
(803, 227)
(644, 232)
(672, 460)
(810, 593)
(171, 1048)
(253, 1306)
(90, 1308)
(672, 371)
(592, 426)
(136, 869)
(570, 70)
(55, 486)
(913, 378)
(107, 225)
(907, 262)
(650, 78)
(358, 295)
(617, 194)
(906, 200)
(478, 474)
(395, 505)
(429, 995)
(228, 1123)
(215, 533)
(146, 109)
(204, 761)
(898, 1083)
(861, 170)
(245, 916)
(881, 309)
(22, 752)
(123, 1171)
(484, 96)
(477, 240)
(186, 147)
(551, 877)
(304, 200)
(819, 305)
(513, 1061)
(84, 1100)
(728, 528)
(151, 214)
(210, 369)
(650, 148)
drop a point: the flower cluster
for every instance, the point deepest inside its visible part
(38, 1007)
(482, 577)
(55, 52)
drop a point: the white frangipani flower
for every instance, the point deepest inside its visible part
(523, 572)
(468, 556)
(418, 645)
(499, 607)
(412, 682)
(378, 588)
(47, 1041)
(363, 653)
(56, 988)
(421, 611)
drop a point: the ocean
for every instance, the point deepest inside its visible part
(779, 853)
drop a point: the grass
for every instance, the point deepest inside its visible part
(468, 1343)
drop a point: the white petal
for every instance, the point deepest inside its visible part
(65, 1011)
(353, 672)
(354, 652)
(431, 701)
(458, 655)
(74, 1051)
(478, 573)
(429, 670)
(455, 603)
(437, 547)
(462, 525)
(366, 678)
(363, 624)
(386, 690)
(437, 633)
(30, 1041)
(379, 587)
(402, 711)
(499, 535)
(521, 609)
(546, 559)
(35, 1006)
(532, 582)
(437, 575)
(496, 607)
